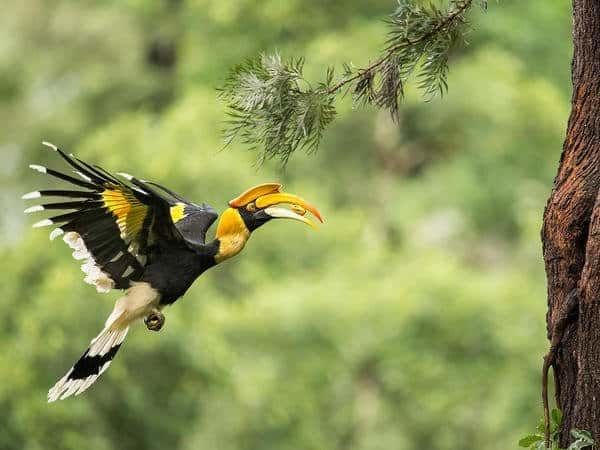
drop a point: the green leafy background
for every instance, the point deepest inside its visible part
(414, 319)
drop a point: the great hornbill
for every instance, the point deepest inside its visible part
(141, 237)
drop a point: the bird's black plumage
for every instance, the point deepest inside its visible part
(173, 268)
(118, 223)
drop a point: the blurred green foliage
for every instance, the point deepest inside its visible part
(414, 319)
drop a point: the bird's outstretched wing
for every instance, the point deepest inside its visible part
(112, 224)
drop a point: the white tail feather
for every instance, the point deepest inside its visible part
(90, 366)
(139, 301)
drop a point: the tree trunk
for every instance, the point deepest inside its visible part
(571, 238)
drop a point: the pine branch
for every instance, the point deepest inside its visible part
(270, 107)
(274, 109)
(461, 7)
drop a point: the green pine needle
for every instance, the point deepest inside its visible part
(272, 108)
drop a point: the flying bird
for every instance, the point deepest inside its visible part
(138, 236)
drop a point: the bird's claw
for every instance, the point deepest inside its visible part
(155, 321)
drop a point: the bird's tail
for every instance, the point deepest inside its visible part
(96, 358)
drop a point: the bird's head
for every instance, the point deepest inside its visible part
(252, 209)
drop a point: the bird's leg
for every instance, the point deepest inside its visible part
(155, 320)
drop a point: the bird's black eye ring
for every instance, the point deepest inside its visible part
(251, 207)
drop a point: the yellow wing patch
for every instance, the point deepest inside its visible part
(128, 210)
(177, 212)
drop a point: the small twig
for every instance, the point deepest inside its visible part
(548, 361)
(407, 42)
(566, 314)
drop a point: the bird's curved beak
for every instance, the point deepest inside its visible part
(267, 199)
(271, 205)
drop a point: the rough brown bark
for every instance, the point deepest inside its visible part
(571, 238)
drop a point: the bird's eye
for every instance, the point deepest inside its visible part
(251, 207)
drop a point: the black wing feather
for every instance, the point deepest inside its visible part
(116, 221)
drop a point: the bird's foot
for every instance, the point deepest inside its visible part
(155, 320)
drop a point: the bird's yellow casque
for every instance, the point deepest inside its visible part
(143, 238)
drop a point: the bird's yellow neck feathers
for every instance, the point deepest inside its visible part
(232, 234)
